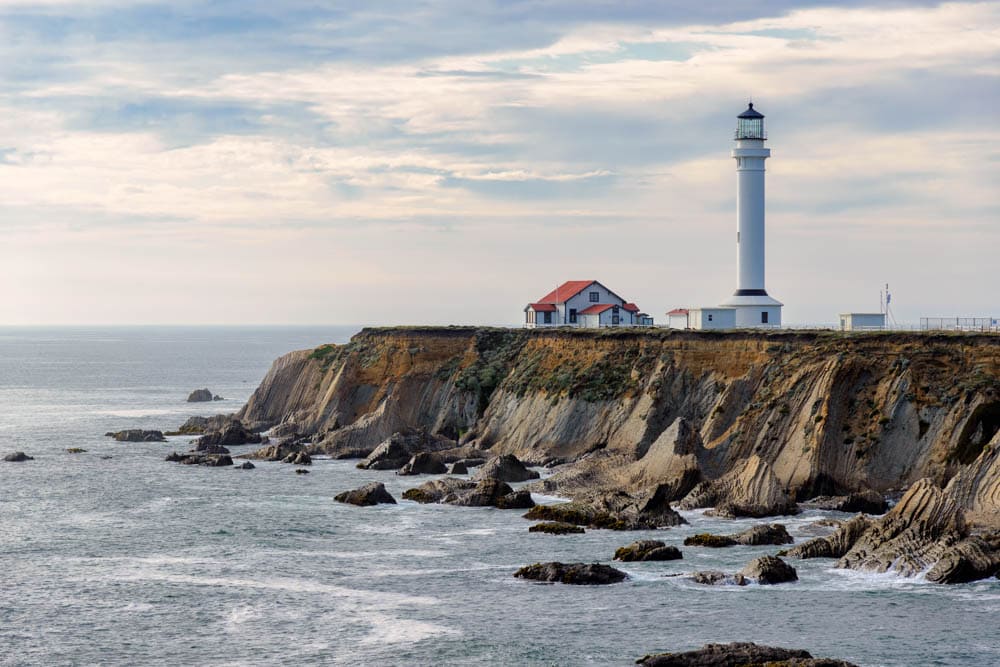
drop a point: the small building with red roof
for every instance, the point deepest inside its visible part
(583, 303)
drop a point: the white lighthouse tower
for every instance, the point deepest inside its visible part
(754, 308)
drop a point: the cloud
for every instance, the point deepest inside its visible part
(572, 124)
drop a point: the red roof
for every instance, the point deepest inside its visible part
(631, 307)
(678, 311)
(542, 307)
(566, 291)
(596, 308)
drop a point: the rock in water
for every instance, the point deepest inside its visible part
(745, 654)
(18, 457)
(506, 468)
(572, 573)
(298, 458)
(424, 463)
(769, 570)
(492, 493)
(274, 453)
(367, 495)
(246, 465)
(76, 450)
(436, 490)
(458, 468)
(200, 458)
(709, 540)
(831, 546)
(972, 559)
(200, 396)
(869, 502)
(137, 435)
(647, 550)
(231, 435)
(393, 452)
(556, 528)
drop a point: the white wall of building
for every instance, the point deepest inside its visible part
(582, 301)
(712, 318)
(862, 321)
(677, 321)
(753, 316)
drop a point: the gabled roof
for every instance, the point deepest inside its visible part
(678, 311)
(566, 291)
(596, 308)
(541, 307)
(631, 307)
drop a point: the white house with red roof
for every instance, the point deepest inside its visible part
(583, 303)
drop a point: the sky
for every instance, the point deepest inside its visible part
(449, 161)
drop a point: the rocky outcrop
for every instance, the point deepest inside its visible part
(647, 550)
(246, 465)
(283, 453)
(615, 511)
(458, 468)
(765, 570)
(572, 573)
(393, 452)
(868, 502)
(831, 546)
(454, 491)
(749, 491)
(556, 528)
(772, 533)
(75, 450)
(201, 425)
(367, 495)
(201, 459)
(740, 654)
(202, 396)
(769, 570)
(972, 559)
(506, 468)
(18, 457)
(232, 434)
(912, 536)
(423, 463)
(137, 435)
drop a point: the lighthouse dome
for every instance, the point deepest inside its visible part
(750, 124)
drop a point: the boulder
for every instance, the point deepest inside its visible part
(746, 654)
(200, 458)
(868, 502)
(200, 396)
(246, 465)
(18, 457)
(369, 494)
(506, 468)
(709, 540)
(424, 463)
(492, 493)
(76, 450)
(200, 425)
(715, 578)
(458, 468)
(647, 550)
(436, 490)
(211, 449)
(615, 510)
(301, 471)
(572, 573)
(750, 490)
(231, 435)
(555, 528)
(137, 435)
(299, 458)
(273, 453)
(518, 500)
(765, 533)
(769, 570)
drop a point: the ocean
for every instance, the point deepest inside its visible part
(130, 560)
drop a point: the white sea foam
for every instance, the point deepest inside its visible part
(387, 629)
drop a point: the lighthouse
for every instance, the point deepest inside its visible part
(754, 307)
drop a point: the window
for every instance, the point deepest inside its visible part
(709, 317)
(615, 320)
(548, 317)
(763, 317)
(595, 297)
(572, 315)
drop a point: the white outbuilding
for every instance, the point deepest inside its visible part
(712, 318)
(862, 321)
(678, 318)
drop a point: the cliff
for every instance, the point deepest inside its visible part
(819, 412)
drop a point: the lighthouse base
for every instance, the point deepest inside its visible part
(757, 310)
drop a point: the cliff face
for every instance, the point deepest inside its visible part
(827, 413)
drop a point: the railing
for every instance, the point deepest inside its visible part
(991, 324)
